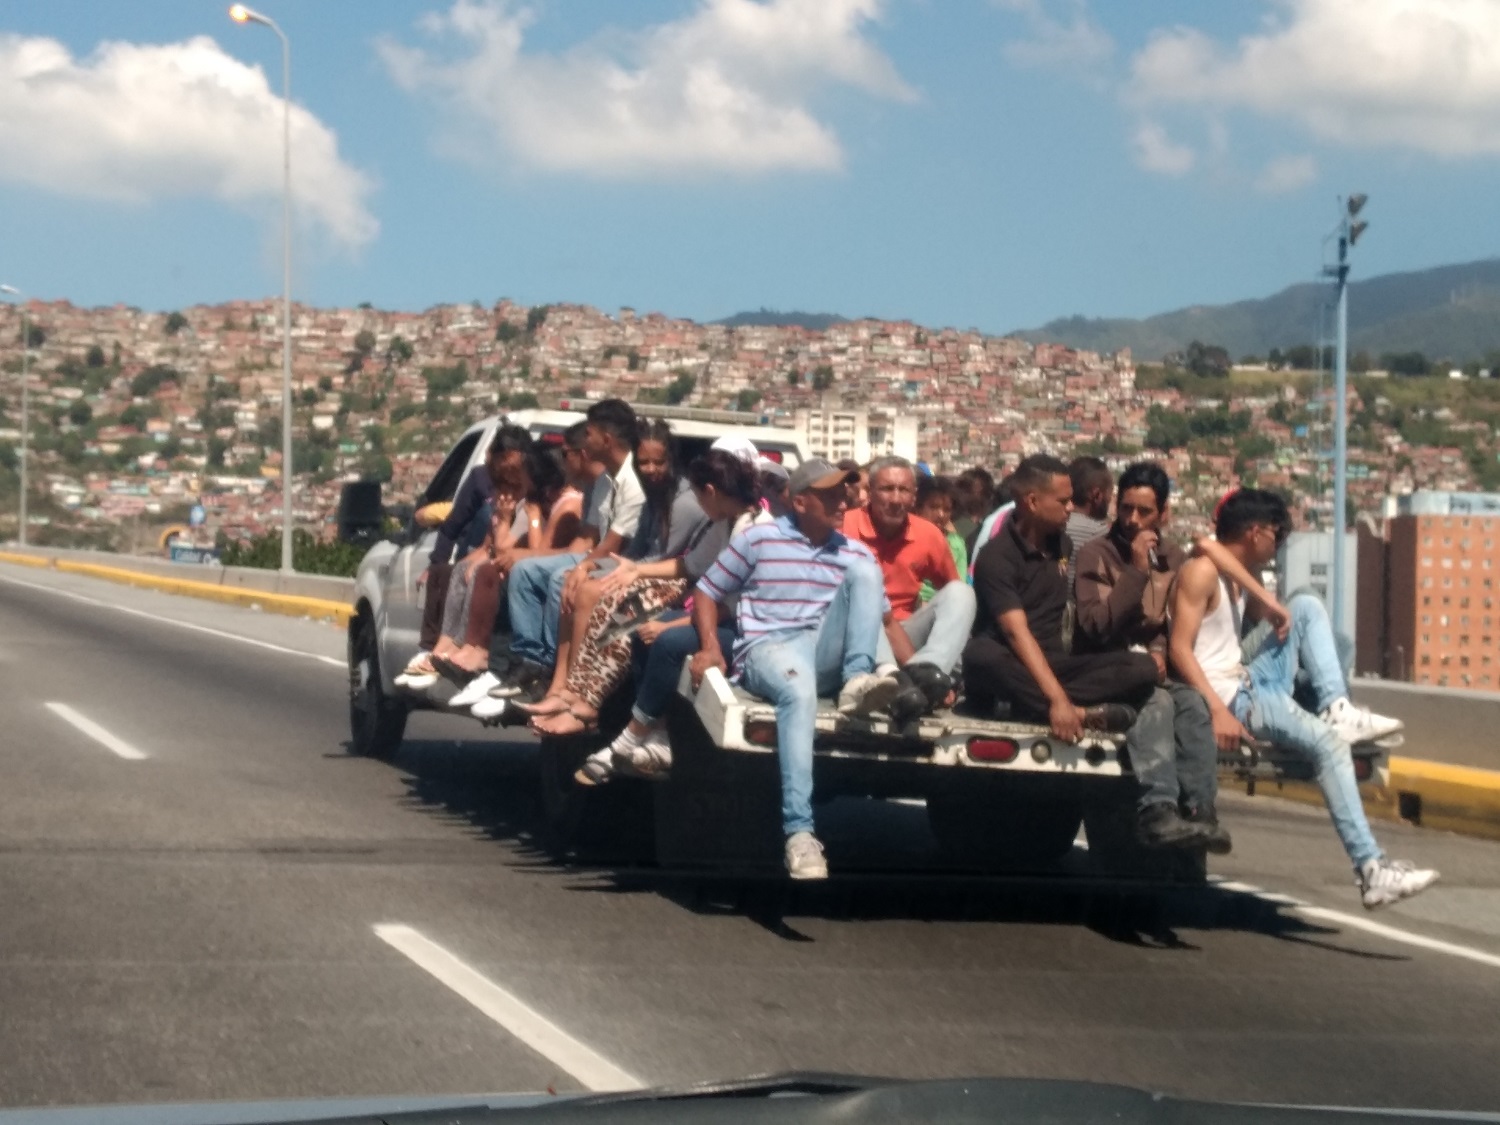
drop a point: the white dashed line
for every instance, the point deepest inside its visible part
(116, 745)
(1359, 922)
(222, 634)
(522, 1021)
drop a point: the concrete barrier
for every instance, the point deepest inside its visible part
(296, 595)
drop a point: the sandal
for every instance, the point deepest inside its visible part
(597, 769)
(585, 725)
(540, 709)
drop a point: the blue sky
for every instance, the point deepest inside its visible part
(985, 163)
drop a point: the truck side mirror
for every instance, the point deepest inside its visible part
(359, 515)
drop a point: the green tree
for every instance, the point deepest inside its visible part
(146, 383)
(523, 400)
(536, 318)
(176, 322)
(36, 335)
(1166, 430)
(325, 383)
(506, 332)
(445, 380)
(680, 387)
(80, 413)
(216, 449)
(308, 397)
(364, 341)
(747, 399)
(399, 351)
(822, 377)
(1411, 364)
(94, 357)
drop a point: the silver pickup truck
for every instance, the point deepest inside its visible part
(999, 795)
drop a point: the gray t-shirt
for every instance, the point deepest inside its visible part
(1081, 528)
(657, 538)
(713, 537)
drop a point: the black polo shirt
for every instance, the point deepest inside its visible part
(1012, 574)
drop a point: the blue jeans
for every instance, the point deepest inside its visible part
(657, 667)
(791, 669)
(939, 630)
(1172, 750)
(534, 597)
(1269, 712)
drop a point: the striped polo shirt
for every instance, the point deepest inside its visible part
(784, 583)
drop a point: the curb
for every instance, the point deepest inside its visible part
(289, 605)
(1459, 799)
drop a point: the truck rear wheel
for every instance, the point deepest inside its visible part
(377, 723)
(1109, 820)
(1004, 828)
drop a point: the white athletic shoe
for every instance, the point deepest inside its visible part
(868, 692)
(1354, 723)
(417, 682)
(476, 689)
(489, 708)
(804, 857)
(649, 756)
(1384, 881)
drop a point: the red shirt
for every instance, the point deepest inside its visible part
(919, 553)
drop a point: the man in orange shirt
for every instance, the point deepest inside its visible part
(926, 641)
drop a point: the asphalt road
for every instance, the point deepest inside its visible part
(213, 920)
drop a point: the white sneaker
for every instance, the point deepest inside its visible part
(476, 689)
(867, 692)
(648, 756)
(416, 681)
(1384, 881)
(489, 708)
(804, 857)
(1354, 723)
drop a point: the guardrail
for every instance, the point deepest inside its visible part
(297, 595)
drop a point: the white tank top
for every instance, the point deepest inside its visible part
(1218, 645)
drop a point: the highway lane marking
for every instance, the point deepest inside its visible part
(118, 745)
(517, 1017)
(337, 663)
(1358, 922)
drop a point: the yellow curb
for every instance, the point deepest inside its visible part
(25, 560)
(291, 605)
(1458, 799)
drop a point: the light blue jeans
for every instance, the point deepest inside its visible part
(791, 669)
(1269, 712)
(534, 597)
(939, 630)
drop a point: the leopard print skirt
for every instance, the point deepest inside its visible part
(597, 671)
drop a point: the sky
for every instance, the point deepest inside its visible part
(971, 163)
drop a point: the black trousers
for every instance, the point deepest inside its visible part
(994, 674)
(435, 598)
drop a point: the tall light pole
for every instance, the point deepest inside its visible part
(25, 403)
(1348, 233)
(241, 14)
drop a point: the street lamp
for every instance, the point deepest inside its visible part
(1347, 233)
(11, 290)
(241, 14)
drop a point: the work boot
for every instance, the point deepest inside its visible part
(1113, 718)
(1215, 835)
(1160, 825)
(924, 688)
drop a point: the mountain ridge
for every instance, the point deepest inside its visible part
(1450, 312)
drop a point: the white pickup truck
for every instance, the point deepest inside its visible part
(1000, 795)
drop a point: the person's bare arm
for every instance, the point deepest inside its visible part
(1197, 585)
(901, 647)
(709, 655)
(1266, 603)
(1066, 719)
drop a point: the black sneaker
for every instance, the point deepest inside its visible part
(1115, 718)
(1215, 835)
(524, 680)
(924, 688)
(1160, 825)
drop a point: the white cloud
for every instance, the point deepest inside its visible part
(1412, 74)
(1286, 173)
(1069, 41)
(140, 122)
(725, 89)
(1155, 151)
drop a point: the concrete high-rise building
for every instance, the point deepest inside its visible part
(1438, 613)
(858, 435)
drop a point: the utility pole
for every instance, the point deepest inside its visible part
(1348, 233)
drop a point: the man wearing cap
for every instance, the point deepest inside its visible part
(924, 641)
(811, 603)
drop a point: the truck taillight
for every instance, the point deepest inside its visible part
(1364, 769)
(761, 733)
(993, 749)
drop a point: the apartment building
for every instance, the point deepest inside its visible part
(858, 435)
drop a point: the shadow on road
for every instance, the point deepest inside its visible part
(490, 788)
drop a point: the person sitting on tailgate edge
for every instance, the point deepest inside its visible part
(1019, 651)
(925, 641)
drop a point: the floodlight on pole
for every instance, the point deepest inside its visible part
(241, 14)
(1347, 233)
(12, 291)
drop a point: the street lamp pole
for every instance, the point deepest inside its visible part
(25, 404)
(1348, 234)
(241, 14)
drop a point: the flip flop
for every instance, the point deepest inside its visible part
(535, 709)
(585, 726)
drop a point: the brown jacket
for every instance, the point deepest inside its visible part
(1118, 605)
